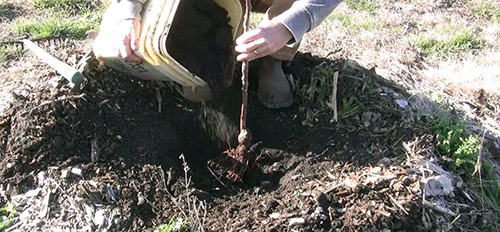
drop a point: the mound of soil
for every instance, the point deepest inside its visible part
(201, 40)
(108, 159)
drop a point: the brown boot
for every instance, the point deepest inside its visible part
(274, 90)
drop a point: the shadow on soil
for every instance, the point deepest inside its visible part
(132, 134)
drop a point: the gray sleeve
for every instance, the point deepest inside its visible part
(305, 15)
(128, 9)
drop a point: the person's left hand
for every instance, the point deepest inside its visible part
(266, 39)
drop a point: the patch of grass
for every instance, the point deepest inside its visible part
(53, 25)
(67, 6)
(174, 225)
(4, 8)
(6, 216)
(455, 141)
(458, 43)
(366, 5)
(320, 90)
(488, 10)
(9, 52)
(438, 98)
(349, 107)
(367, 24)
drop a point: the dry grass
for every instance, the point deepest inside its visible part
(388, 38)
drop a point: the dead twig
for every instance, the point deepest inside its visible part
(217, 178)
(477, 168)
(439, 208)
(61, 99)
(396, 203)
(334, 96)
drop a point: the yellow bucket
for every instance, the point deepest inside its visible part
(158, 64)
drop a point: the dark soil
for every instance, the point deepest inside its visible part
(322, 174)
(201, 40)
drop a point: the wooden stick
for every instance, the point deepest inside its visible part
(334, 96)
(244, 74)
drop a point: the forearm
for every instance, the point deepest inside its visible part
(305, 15)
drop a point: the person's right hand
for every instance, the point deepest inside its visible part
(127, 39)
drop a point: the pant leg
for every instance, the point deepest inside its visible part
(278, 7)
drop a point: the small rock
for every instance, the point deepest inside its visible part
(297, 221)
(439, 186)
(275, 215)
(77, 171)
(384, 162)
(340, 210)
(323, 200)
(402, 103)
(99, 217)
(64, 174)
(32, 193)
(271, 205)
(25, 215)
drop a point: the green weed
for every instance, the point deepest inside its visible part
(7, 216)
(366, 5)
(53, 25)
(9, 52)
(488, 10)
(320, 87)
(458, 43)
(455, 141)
(320, 90)
(438, 98)
(174, 225)
(349, 107)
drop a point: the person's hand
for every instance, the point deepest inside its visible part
(266, 39)
(127, 39)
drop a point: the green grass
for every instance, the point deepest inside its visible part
(6, 216)
(320, 89)
(367, 24)
(366, 5)
(488, 10)
(174, 225)
(4, 8)
(458, 43)
(9, 52)
(455, 141)
(68, 6)
(439, 98)
(53, 25)
(348, 107)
